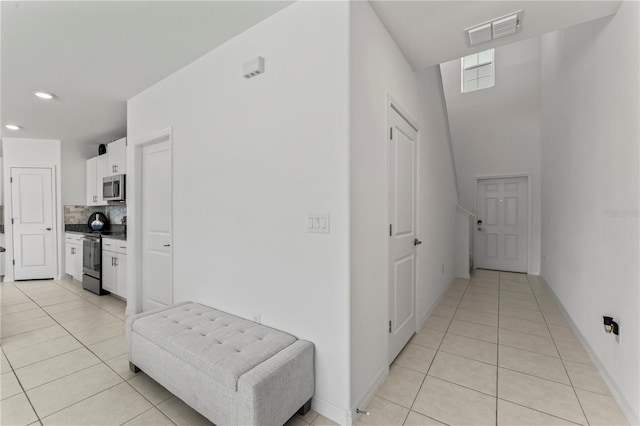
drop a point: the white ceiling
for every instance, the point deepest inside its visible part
(94, 55)
(432, 32)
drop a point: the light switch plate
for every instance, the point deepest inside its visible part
(318, 223)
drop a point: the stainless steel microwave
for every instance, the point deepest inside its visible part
(113, 188)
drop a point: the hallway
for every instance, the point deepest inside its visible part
(496, 350)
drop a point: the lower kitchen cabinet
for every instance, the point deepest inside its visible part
(114, 266)
(73, 255)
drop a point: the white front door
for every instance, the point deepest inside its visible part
(502, 224)
(402, 231)
(34, 243)
(157, 283)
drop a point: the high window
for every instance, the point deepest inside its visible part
(478, 71)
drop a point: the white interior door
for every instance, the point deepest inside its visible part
(402, 232)
(157, 283)
(34, 245)
(502, 224)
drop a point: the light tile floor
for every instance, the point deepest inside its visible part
(497, 350)
(63, 362)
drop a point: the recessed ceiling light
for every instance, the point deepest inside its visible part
(44, 95)
(13, 127)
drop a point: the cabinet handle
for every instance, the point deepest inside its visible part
(115, 259)
(73, 251)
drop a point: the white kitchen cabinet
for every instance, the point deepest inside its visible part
(73, 255)
(117, 156)
(109, 272)
(114, 266)
(96, 172)
(121, 275)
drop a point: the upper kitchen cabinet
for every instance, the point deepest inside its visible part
(117, 155)
(96, 171)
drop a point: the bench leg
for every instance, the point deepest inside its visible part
(305, 408)
(133, 368)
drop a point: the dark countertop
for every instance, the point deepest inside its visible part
(117, 232)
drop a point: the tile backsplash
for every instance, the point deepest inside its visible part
(74, 215)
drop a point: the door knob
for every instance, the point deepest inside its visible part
(416, 242)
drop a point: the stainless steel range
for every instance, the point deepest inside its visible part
(92, 264)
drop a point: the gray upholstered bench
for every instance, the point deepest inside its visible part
(231, 370)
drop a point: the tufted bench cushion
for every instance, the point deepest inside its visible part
(219, 344)
(231, 370)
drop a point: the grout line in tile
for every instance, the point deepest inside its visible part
(466, 357)
(498, 348)
(526, 350)
(426, 374)
(563, 362)
(84, 346)
(456, 334)
(463, 386)
(23, 391)
(533, 375)
(524, 332)
(534, 409)
(83, 399)
(167, 417)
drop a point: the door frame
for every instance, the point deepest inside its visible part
(392, 103)
(529, 177)
(57, 224)
(134, 206)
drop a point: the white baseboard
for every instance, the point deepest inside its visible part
(330, 411)
(625, 406)
(424, 319)
(375, 384)
(364, 400)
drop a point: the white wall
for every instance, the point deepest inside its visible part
(250, 159)
(465, 227)
(31, 152)
(496, 131)
(378, 69)
(74, 171)
(590, 187)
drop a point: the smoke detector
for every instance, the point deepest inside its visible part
(495, 28)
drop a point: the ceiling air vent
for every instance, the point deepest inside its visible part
(505, 26)
(480, 34)
(495, 28)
